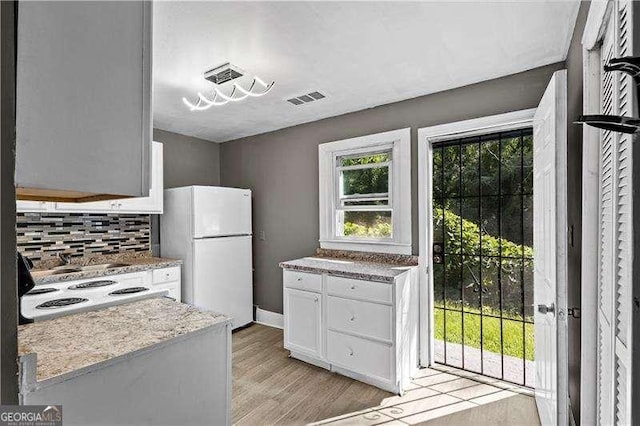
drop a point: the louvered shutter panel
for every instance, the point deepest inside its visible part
(616, 231)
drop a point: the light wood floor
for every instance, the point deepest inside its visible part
(271, 388)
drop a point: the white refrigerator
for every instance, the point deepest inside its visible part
(209, 228)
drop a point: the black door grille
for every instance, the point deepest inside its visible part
(483, 254)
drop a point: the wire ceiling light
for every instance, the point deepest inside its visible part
(220, 75)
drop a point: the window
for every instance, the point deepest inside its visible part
(365, 193)
(364, 206)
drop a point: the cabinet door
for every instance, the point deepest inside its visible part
(303, 322)
(91, 207)
(83, 98)
(34, 206)
(152, 203)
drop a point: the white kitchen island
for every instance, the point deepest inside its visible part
(150, 362)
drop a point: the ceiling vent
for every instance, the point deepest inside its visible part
(304, 99)
(223, 73)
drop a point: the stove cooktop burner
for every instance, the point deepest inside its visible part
(61, 303)
(45, 290)
(92, 284)
(129, 290)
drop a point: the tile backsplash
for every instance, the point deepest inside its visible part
(41, 236)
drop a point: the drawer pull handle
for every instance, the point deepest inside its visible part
(352, 318)
(316, 299)
(350, 352)
(299, 279)
(353, 286)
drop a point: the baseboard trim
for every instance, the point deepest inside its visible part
(268, 318)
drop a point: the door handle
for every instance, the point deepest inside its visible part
(547, 309)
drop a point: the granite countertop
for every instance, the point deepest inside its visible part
(372, 269)
(134, 263)
(69, 343)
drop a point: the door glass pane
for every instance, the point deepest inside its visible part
(471, 283)
(511, 225)
(470, 168)
(490, 167)
(452, 226)
(527, 162)
(451, 170)
(511, 161)
(437, 174)
(453, 287)
(470, 239)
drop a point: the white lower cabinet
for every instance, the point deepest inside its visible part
(303, 322)
(362, 329)
(168, 279)
(363, 356)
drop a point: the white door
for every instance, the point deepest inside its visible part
(550, 251)
(223, 277)
(303, 322)
(617, 216)
(219, 211)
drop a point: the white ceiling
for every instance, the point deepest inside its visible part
(359, 54)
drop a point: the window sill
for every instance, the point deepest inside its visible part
(368, 246)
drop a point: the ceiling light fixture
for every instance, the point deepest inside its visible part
(223, 74)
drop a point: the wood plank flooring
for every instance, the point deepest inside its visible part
(270, 388)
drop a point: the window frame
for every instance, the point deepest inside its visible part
(398, 143)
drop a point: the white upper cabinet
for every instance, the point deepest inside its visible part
(152, 204)
(34, 206)
(83, 100)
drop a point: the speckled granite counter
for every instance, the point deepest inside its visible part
(134, 263)
(349, 268)
(73, 342)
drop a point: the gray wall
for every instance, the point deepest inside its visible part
(574, 183)
(188, 160)
(281, 167)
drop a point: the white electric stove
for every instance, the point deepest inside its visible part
(46, 301)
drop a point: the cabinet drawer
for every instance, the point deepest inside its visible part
(359, 289)
(360, 355)
(173, 290)
(166, 274)
(363, 318)
(302, 281)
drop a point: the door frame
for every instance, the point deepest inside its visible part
(592, 36)
(426, 137)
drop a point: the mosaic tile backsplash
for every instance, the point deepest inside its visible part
(42, 236)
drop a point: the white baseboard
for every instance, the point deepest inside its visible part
(271, 319)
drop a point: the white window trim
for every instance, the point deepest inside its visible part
(399, 190)
(426, 137)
